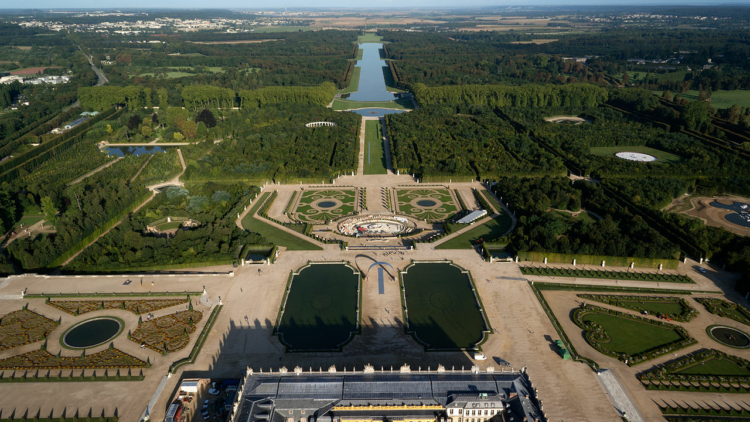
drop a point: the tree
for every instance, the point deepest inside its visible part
(696, 115)
(625, 79)
(7, 212)
(134, 122)
(189, 129)
(207, 118)
(49, 210)
(146, 131)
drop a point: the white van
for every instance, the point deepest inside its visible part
(479, 356)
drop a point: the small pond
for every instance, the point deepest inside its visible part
(426, 203)
(139, 150)
(740, 216)
(92, 332)
(326, 204)
(729, 336)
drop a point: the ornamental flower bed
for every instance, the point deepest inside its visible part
(647, 303)
(42, 359)
(725, 309)
(23, 327)
(598, 338)
(136, 306)
(671, 372)
(168, 333)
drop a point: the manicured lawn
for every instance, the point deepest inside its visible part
(661, 156)
(374, 151)
(169, 226)
(273, 234)
(360, 54)
(28, 220)
(722, 99)
(317, 206)
(369, 37)
(488, 231)
(352, 105)
(321, 309)
(716, 367)
(630, 336)
(354, 83)
(442, 308)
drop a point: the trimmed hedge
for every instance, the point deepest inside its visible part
(688, 312)
(79, 295)
(605, 274)
(70, 378)
(614, 261)
(722, 307)
(669, 378)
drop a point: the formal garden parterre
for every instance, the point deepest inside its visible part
(672, 308)
(24, 327)
(432, 204)
(42, 359)
(168, 333)
(725, 309)
(629, 338)
(548, 271)
(136, 306)
(321, 205)
(702, 371)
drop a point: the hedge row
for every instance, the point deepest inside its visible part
(679, 410)
(79, 295)
(64, 419)
(693, 388)
(669, 372)
(688, 312)
(613, 261)
(722, 308)
(605, 274)
(71, 378)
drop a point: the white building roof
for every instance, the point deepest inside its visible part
(472, 216)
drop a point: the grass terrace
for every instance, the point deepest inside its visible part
(272, 233)
(375, 162)
(661, 156)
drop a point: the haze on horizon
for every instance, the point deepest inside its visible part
(241, 4)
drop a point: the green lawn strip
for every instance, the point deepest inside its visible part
(374, 151)
(369, 37)
(442, 310)
(273, 234)
(605, 274)
(488, 232)
(28, 220)
(661, 156)
(722, 98)
(706, 370)
(675, 308)
(169, 226)
(354, 82)
(629, 338)
(320, 310)
(404, 104)
(725, 309)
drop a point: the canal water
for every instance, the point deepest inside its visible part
(371, 78)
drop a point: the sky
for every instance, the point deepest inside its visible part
(264, 4)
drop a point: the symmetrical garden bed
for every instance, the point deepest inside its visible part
(674, 308)
(319, 206)
(42, 359)
(605, 274)
(24, 327)
(703, 371)
(168, 333)
(136, 306)
(432, 204)
(725, 309)
(629, 338)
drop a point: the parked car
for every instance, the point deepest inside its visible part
(213, 391)
(702, 270)
(205, 415)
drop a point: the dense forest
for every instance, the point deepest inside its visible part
(436, 141)
(618, 233)
(272, 143)
(216, 238)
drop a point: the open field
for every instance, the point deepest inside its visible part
(320, 312)
(279, 28)
(722, 99)
(30, 70)
(442, 310)
(28, 220)
(374, 151)
(661, 156)
(369, 37)
(542, 41)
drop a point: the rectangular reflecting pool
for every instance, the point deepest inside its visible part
(371, 79)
